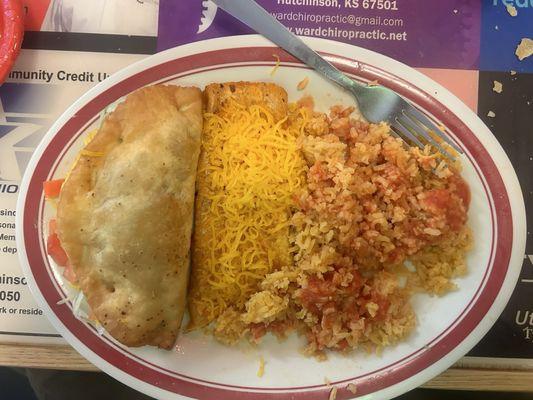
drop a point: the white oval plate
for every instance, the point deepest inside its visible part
(199, 367)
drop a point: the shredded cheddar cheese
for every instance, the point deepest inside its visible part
(261, 370)
(90, 136)
(249, 171)
(86, 140)
(278, 63)
(90, 153)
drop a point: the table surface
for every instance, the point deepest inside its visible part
(458, 378)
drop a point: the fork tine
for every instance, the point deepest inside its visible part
(419, 130)
(402, 131)
(417, 115)
(393, 133)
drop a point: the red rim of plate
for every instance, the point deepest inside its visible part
(11, 33)
(121, 359)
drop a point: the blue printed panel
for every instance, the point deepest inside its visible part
(501, 33)
(420, 33)
(27, 97)
(26, 113)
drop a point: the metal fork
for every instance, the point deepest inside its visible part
(376, 103)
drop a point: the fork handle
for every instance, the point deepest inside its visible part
(257, 18)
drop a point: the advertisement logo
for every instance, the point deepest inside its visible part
(209, 10)
(24, 118)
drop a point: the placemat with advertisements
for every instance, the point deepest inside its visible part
(475, 48)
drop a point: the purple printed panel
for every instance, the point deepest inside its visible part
(421, 33)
